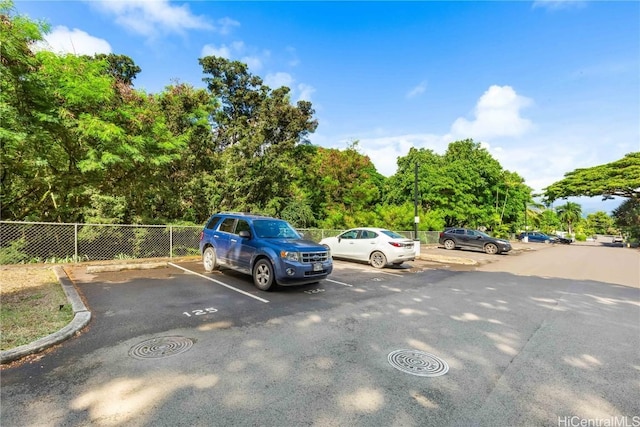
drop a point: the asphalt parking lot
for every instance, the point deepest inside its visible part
(173, 346)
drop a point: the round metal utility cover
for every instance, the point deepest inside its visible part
(418, 363)
(160, 347)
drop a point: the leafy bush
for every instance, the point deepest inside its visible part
(13, 254)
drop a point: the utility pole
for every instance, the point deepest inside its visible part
(416, 219)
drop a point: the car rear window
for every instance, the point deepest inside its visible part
(392, 234)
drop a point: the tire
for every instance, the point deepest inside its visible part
(449, 244)
(263, 275)
(491, 248)
(378, 260)
(209, 260)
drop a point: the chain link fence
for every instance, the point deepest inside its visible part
(40, 242)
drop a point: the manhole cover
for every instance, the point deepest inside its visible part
(160, 347)
(418, 363)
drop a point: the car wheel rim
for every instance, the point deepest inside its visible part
(492, 249)
(449, 244)
(208, 260)
(377, 260)
(263, 275)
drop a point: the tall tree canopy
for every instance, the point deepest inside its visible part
(619, 178)
(465, 186)
(256, 130)
(80, 143)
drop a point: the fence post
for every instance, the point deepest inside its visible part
(75, 241)
(171, 241)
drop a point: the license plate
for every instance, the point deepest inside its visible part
(317, 266)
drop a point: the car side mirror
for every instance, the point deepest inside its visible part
(244, 234)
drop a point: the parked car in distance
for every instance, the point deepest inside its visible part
(377, 246)
(268, 249)
(560, 239)
(617, 239)
(537, 236)
(454, 238)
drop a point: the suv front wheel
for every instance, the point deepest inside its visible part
(263, 275)
(209, 260)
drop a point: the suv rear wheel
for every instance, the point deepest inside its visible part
(449, 244)
(263, 275)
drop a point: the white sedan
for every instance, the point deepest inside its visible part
(377, 246)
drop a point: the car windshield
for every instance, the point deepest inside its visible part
(274, 229)
(392, 234)
(482, 234)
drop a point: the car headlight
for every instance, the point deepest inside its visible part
(290, 256)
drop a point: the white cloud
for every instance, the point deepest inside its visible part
(237, 51)
(497, 114)
(225, 25)
(152, 18)
(253, 62)
(418, 90)
(63, 40)
(384, 151)
(277, 80)
(220, 51)
(294, 61)
(305, 91)
(558, 4)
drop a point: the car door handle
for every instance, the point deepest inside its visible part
(234, 241)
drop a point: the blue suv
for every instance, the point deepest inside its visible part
(269, 249)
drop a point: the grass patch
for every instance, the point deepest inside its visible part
(32, 305)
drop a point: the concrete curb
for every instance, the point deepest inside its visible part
(121, 267)
(447, 259)
(81, 318)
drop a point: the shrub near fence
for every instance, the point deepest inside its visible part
(31, 242)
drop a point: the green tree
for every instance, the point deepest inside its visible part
(619, 178)
(344, 185)
(570, 214)
(627, 218)
(256, 130)
(547, 221)
(24, 113)
(599, 223)
(463, 187)
(190, 190)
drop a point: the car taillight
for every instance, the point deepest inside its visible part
(201, 236)
(396, 244)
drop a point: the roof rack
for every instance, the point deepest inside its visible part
(241, 213)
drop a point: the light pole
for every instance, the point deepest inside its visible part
(416, 219)
(525, 239)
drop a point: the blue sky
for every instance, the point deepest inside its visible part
(546, 86)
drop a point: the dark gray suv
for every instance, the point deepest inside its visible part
(269, 249)
(473, 239)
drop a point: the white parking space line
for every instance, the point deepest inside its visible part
(339, 283)
(218, 282)
(383, 272)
